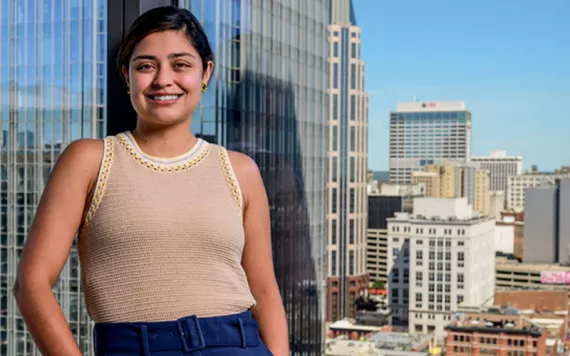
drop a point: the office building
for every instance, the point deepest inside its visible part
(52, 92)
(427, 133)
(500, 167)
(517, 186)
(547, 227)
(268, 98)
(381, 208)
(439, 258)
(494, 331)
(282, 130)
(456, 179)
(431, 182)
(348, 161)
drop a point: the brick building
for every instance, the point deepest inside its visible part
(494, 331)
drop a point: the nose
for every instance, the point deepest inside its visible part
(163, 77)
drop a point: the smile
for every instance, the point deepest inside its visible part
(164, 99)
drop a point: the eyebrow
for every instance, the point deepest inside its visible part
(172, 55)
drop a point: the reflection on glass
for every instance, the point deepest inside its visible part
(51, 93)
(270, 88)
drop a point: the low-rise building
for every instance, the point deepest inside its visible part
(494, 331)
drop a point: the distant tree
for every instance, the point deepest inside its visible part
(378, 285)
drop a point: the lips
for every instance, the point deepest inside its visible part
(164, 97)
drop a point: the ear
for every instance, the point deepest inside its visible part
(208, 72)
(125, 73)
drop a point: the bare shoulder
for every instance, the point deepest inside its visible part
(243, 165)
(85, 153)
(248, 176)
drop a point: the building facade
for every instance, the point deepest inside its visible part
(453, 179)
(348, 161)
(380, 209)
(517, 185)
(495, 331)
(431, 182)
(268, 98)
(547, 235)
(427, 133)
(496, 204)
(438, 258)
(500, 167)
(52, 91)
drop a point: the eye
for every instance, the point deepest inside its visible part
(144, 67)
(181, 65)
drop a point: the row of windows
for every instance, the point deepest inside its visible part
(352, 171)
(351, 204)
(351, 263)
(434, 231)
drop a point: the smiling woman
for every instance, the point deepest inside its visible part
(174, 237)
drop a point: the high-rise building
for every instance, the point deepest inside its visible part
(268, 98)
(518, 184)
(427, 133)
(52, 91)
(440, 257)
(547, 228)
(348, 161)
(500, 167)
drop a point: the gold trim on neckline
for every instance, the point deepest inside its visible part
(181, 163)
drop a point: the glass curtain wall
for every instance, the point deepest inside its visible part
(268, 98)
(52, 91)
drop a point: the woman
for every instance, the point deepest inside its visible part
(174, 237)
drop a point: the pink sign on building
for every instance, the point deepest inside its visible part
(555, 277)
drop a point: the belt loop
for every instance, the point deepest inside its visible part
(242, 332)
(144, 341)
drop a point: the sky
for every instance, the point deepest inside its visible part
(509, 60)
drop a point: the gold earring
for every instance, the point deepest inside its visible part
(204, 87)
(128, 90)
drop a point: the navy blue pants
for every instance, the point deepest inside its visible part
(235, 334)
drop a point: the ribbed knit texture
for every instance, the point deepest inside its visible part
(160, 245)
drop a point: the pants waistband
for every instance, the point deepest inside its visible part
(188, 334)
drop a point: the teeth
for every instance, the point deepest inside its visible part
(165, 97)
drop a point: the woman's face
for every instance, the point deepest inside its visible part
(165, 76)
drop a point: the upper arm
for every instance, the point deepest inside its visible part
(60, 212)
(257, 258)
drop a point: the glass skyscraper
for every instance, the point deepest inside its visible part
(268, 98)
(427, 133)
(52, 91)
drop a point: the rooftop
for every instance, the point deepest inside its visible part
(494, 320)
(516, 266)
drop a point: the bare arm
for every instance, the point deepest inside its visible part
(55, 224)
(257, 257)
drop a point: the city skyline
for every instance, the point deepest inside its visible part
(512, 76)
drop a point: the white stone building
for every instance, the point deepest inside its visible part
(440, 257)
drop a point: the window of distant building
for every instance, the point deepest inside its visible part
(335, 49)
(353, 50)
(335, 75)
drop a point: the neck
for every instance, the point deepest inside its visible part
(166, 141)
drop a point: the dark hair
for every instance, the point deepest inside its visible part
(165, 18)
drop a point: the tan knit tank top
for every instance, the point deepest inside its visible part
(163, 238)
